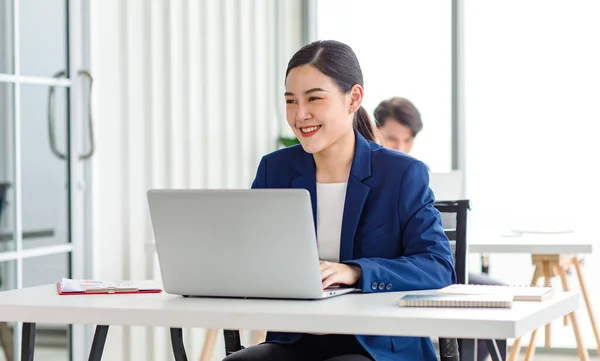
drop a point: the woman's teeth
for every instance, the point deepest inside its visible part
(309, 129)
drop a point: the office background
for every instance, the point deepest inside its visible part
(188, 94)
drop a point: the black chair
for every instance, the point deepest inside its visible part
(454, 219)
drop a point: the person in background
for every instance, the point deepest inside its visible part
(399, 122)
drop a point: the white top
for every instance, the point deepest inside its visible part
(330, 209)
(366, 314)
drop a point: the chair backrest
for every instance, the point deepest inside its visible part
(454, 219)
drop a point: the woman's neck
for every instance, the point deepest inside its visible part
(334, 163)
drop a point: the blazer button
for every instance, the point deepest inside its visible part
(374, 286)
(388, 287)
(381, 286)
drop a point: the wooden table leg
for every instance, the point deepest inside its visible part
(587, 300)
(514, 350)
(209, 345)
(531, 348)
(548, 266)
(516, 347)
(583, 354)
(259, 337)
(565, 285)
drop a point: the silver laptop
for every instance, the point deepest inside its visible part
(257, 243)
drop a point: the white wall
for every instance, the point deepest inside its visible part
(185, 96)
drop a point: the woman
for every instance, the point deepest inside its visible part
(376, 224)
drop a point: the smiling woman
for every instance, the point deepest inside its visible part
(367, 239)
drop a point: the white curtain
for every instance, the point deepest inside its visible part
(188, 94)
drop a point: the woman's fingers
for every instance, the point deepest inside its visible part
(330, 281)
(327, 272)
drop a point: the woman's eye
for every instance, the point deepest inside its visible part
(290, 101)
(313, 99)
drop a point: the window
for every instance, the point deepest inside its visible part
(532, 121)
(404, 48)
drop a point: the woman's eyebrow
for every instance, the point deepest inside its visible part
(309, 91)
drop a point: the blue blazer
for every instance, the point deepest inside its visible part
(390, 229)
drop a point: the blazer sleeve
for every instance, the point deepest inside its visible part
(260, 180)
(427, 261)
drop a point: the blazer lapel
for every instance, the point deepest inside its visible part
(356, 196)
(306, 178)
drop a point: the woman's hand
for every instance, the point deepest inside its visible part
(333, 274)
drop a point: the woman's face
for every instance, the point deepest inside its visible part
(316, 110)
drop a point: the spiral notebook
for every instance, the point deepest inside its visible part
(457, 301)
(519, 293)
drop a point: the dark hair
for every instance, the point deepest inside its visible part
(400, 110)
(338, 61)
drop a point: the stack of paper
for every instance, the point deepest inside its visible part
(519, 293)
(70, 286)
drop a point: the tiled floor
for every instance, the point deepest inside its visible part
(559, 357)
(46, 354)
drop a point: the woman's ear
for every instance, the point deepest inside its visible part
(356, 96)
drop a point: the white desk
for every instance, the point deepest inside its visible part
(373, 314)
(568, 243)
(552, 254)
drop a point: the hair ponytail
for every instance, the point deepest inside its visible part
(364, 125)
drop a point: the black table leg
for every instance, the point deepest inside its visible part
(28, 341)
(177, 344)
(98, 343)
(233, 343)
(497, 349)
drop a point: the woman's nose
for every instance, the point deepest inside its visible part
(302, 113)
